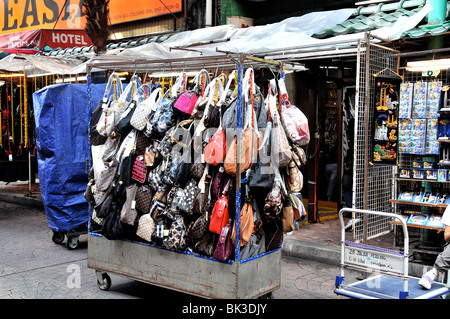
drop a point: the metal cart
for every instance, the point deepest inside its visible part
(189, 272)
(391, 279)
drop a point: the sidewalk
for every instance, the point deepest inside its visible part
(317, 241)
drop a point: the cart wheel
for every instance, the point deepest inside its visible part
(105, 283)
(72, 242)
(58, 237)
(267, 296)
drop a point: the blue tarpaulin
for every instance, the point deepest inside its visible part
(61, 116)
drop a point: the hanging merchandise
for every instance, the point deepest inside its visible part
(167, 172)
(386, 111)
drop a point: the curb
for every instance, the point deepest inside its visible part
(22, 200)
(312, 251)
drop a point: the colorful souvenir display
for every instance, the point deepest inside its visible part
(406, 94)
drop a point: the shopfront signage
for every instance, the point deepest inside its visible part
(26, 15)
(39, 39)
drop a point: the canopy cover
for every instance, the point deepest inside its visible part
(62, 150)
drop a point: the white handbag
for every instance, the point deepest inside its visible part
(144, 109)
(112, 113)
(146, 227)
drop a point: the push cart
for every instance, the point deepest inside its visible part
(186, 271)
(390, 268)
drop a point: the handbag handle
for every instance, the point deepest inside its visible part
(118, 87)
(197, 79)
(135, 82)
(180, 83)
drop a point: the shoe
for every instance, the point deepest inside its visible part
(425, 282)
(350, 223)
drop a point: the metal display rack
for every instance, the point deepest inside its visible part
(188, 272)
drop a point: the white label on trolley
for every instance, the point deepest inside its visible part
(374, 260)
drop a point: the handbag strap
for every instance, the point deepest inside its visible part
(114, 82)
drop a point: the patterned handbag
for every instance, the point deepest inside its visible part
(146, 227)
(188, 197)
(142, 142)
(176, 237)
(224, 248)
(144, 109)
(139, 170)
(144, 196)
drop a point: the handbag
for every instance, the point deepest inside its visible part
(112, 113)
(146, 227)
(139, 170)
(249, 146)
(184, 104)
(280, 148)
(256, 244)
(287, 220)
(112, 227)
(128, 212)
(224, 248)
(273, 203)
(176, 237)
(215, 150)
(144, 110)
(144, 196)
(205, 245)
(107, 175)
(246, 224)
(295, 178)
(187, 198)
(219, 215)
(296, 124)
(114, 82)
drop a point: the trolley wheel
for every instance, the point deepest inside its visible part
(267, 296)
(105, 283)
(72, 242)
(58, 237)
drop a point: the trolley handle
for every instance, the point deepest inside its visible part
(367, 212)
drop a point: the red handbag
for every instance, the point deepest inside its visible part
(219, 216)
(215, 150)
(139, 170)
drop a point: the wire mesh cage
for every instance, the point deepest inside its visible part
(373, 185)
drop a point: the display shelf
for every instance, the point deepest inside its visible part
(416, 226)
(419, 180)
(396, 201)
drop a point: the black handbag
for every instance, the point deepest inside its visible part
(123, 126)
(112, 228)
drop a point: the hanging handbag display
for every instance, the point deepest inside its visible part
(224, 248)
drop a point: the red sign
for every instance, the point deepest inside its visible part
(39, 39)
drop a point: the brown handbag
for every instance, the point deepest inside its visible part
(246, 224)
(287, 221)
(249, 152)
(144, 195)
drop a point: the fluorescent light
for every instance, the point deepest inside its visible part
(428, 65)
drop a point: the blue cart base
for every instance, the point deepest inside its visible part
(387, 287)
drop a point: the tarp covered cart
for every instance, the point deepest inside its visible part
(62, 152)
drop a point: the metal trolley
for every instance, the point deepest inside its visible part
(390, 268)
(188, 272)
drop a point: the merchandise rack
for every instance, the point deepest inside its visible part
(188, 272)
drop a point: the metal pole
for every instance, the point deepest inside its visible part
(237, 246)
(366, 135)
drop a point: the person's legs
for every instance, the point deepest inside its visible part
(331, 171)
(442, 263)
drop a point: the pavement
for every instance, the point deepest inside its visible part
(32, 268)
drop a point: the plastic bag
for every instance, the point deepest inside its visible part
(296, 125)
